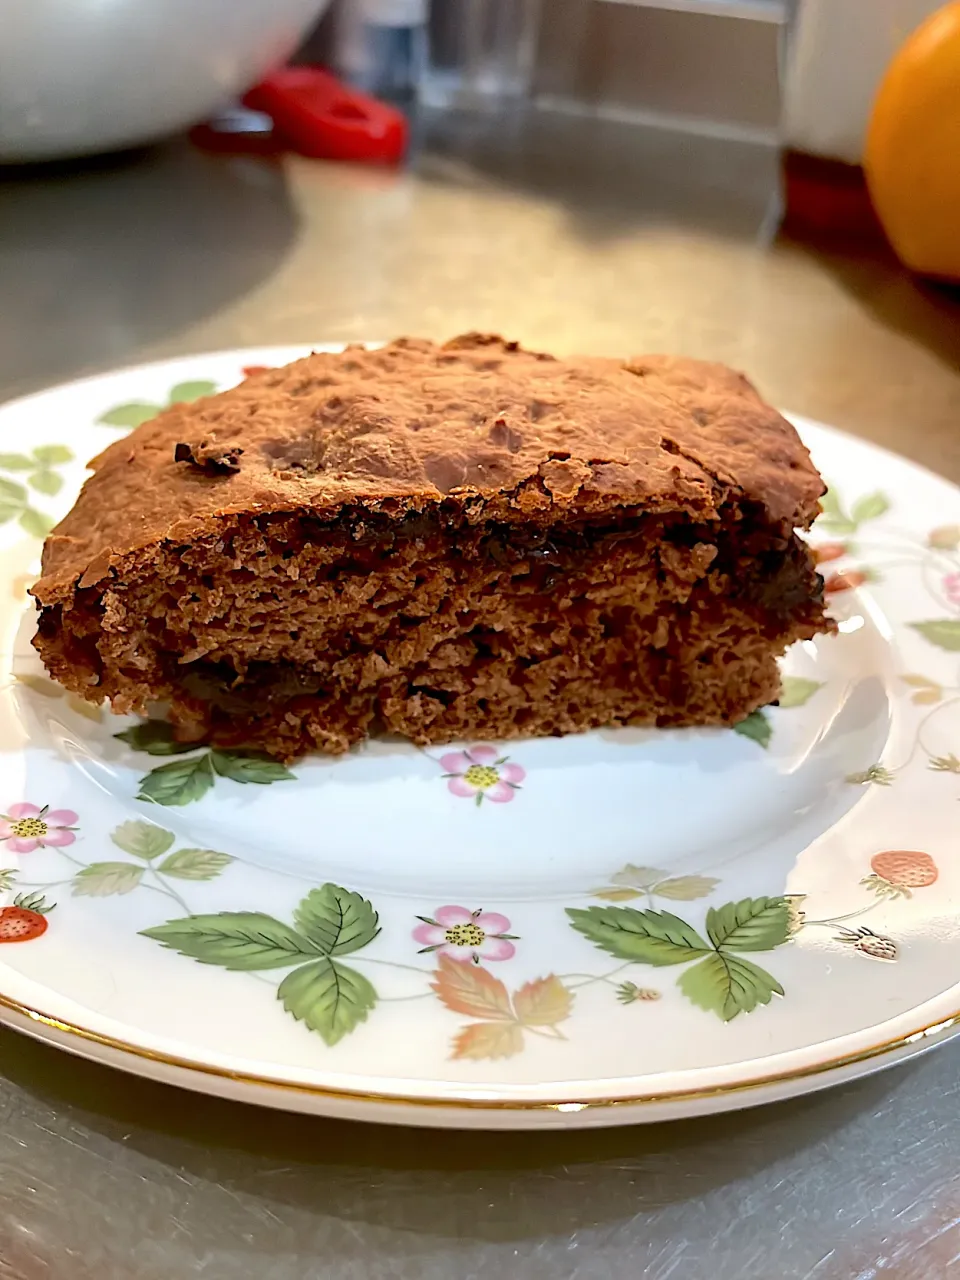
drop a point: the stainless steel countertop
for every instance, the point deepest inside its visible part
(569, 236)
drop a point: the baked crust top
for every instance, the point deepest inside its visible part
(476, 424)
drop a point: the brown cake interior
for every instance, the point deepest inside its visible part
(295, 633)
(451, 541)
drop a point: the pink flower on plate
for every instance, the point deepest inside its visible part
(951, 587)
(26, 827)
(466, 935)
(483, 774)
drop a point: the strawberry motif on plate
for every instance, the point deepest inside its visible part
(26, 919)
(868, 943)
(897, 872)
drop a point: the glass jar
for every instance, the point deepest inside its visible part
(481, 53)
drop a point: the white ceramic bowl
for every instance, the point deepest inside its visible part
(83, 76)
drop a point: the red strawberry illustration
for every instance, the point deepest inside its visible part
(26, 919)
(896, 872)
(844, 581)
(824, 551)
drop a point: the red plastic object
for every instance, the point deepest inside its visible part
(320, 116)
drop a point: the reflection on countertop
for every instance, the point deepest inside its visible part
(570, 234)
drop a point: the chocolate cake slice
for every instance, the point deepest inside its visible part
(465, 541)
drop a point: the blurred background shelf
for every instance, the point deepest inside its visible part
(775, 11)
(693, 65)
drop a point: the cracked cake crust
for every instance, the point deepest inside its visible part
(259, 559)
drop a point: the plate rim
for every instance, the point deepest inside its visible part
(917, 1040)
(863, 1060)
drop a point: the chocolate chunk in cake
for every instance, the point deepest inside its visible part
(217, 459)
(444, 542)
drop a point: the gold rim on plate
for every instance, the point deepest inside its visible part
(950, 1023)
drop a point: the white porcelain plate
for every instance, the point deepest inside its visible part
(614, 927)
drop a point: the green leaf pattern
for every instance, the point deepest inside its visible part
(249, 766)
(837, 520)
(870, 507)
(135, 413)
(39, 467)
(181, 782)
(146, 842)
(726, 985)
(652, 882)
(142, 839)
(328, 997)
(51, 455)
(649, 937)
(194, 864)
(796, 691)
(178, 783)
(34, 522)
(156, 737)
(336, 920)
(186, 392)
(757, 728)
(753, 924)
(942, 632)
(685, 888)
(130, 415)
(721, 982)
(234, 940)
(103, 879)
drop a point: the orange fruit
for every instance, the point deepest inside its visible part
(913, 144)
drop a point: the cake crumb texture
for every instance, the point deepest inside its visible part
(466, 540)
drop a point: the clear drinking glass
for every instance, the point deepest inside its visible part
(481, 52)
